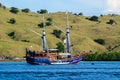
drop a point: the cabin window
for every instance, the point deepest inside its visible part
(69, 56)
(37, 55)
(41, 55)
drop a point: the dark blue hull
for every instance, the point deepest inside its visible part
(47, 61)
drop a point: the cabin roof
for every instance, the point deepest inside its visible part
(53, 49)
(64, 54)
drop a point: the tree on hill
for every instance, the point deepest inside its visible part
(12, 21)
(26, 10)
(75, 14)
(42, 11)
(60, 47)
(57, 33)
(93, 18)
(100, 41)
(4, 7)
(12, 34)
(101, 15)
(80, 14)
(48, 23)
(106, 56)
(112, 22)
(14, 10)
(0, 4)
(49, 19)
(41, 25)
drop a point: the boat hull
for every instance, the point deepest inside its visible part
(38, 61)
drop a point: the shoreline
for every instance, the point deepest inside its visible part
(25, 61)
(13, 60)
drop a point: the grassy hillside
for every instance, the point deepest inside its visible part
(82, 32)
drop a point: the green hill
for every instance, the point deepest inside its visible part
(82, 32)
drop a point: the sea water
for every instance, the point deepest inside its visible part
(81, 71)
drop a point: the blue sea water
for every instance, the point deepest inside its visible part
(81, 71)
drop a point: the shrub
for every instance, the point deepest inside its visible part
(93, 18)
(71, 26)
(12, 21)
(80, 14)
(74, 21)
(107, 56)
(41, 25)
(12, 34)
(48, 23)
(100, 41)
(0, 4)
(60, 47)
(49, 19)
(26, 10)
(101, 15)
(25, 40)
(57, 33)
(111, 22)
(109, 48)
(75, 14)
(4, 7)
(14, 10)
(42, 11)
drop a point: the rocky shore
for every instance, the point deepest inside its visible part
(10, 60)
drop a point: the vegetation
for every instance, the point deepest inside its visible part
(112, 22)
(60, 47)
(49, 21)
(107, 56)
(26, 10)
(0, 4)
(4, 7)
(14, 10)
(25, 40)
(41, 25)
(93, 18)
(80, 14)
(82, 32)
(12, 34)
(42, 11)
(57, 33)
(111, 48)
(12, 21)
(100, 41)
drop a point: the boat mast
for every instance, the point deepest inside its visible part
(68, 43)
(44, 42)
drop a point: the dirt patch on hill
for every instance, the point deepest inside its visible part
(1, 22)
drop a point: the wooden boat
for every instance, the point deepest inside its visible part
(53, 56)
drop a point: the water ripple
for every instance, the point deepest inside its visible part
(82, 71)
